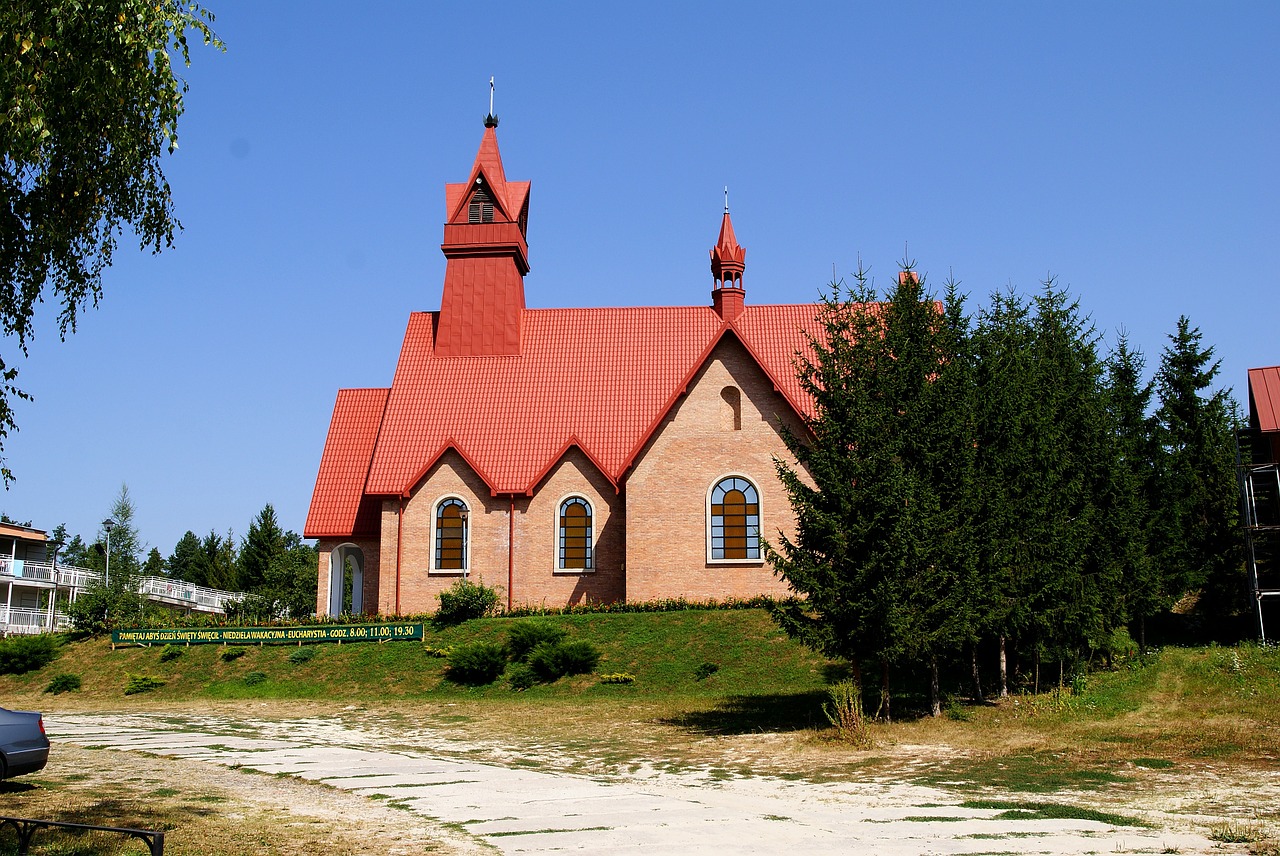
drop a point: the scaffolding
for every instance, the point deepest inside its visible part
(1258, 469)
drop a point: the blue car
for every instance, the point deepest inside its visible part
(24, 747)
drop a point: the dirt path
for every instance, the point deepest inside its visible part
(515, 809)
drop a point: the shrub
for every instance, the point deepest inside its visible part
(22, 654)
(476, 663)
(255, 678)
(170, 652)
(63, 683)
(521, 677)
(463, 601)
(142, 684)
(235, 652)
(618, 678)
(302, 655)
(551, 660)
(705, 671)
(845, 713)
(524, 636)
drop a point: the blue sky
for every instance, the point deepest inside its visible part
(1127, 149)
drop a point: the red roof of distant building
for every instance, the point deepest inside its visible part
(1264, 398)
(339, 507)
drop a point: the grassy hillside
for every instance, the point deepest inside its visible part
(1183, 706)
(662, 650)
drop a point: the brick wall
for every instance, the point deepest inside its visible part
(705, 437)
(538, 577)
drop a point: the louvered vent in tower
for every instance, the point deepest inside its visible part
(481, 210)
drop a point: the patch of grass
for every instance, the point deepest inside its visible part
(1053, 811)
(1036, 773)
(1153, 763)
(141, 684)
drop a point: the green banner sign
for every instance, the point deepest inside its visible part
(269, 635)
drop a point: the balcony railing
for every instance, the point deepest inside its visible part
(43, 575)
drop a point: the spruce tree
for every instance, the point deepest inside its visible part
(880, 553)
(182, 562)
(1198, 540)
(1131, 488)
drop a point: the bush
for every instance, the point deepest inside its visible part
(142, 684)
(705, 671)
(63, 683)
(302, 655)
(524, 636)
(255, 678)
(22, 654)
(521, 677)
(552, 660)
(170, 652)
(476, 663)
(463, 601)
(235, 652)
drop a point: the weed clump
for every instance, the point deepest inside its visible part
(63, 683)
(255, 678)
(618, 678)
(463, 601)
(476, 663)
(170, 652)
(705, 670)
(22, 654)
(844, 712)
(235, 652)
(142, 684)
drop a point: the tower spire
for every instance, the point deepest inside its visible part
(728, 261)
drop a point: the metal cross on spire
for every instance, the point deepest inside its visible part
(491, 121)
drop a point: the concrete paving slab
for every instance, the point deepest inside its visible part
(521, 810)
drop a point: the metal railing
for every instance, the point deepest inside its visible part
(26, 621)
(27, 827)
(43, 575)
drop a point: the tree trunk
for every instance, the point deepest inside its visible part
(1004, 671)
(883, 709)
(1037, 689)
(1061, 677)
(977, 678)
(1142, 635)
(935, 698)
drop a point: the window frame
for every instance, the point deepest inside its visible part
(433, 564)
(557, 558)
(709, 523)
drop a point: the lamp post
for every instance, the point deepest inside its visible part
(108, 525)
(56, 544)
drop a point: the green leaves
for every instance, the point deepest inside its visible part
(88, 103)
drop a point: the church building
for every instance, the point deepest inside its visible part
(561, 455)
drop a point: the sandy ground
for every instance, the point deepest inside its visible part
(418, 777)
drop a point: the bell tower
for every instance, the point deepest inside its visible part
(728, 261)
(485, 245)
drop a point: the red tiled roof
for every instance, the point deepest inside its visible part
(339, 507)
(600, 379)
(1264, 398)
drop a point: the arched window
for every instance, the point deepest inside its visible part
(575, 534)
(451, 535)
(481, 210)
(735, 520)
